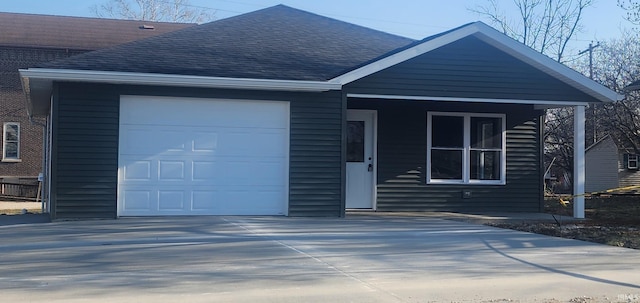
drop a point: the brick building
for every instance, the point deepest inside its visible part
(27, 40)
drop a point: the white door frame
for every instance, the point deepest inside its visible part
(374, 149)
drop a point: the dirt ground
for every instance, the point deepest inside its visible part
(612, 220)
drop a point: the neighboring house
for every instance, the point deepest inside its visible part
(609, 166)
(27, 40)
(601, 165)
(284, 112)
(628, 166)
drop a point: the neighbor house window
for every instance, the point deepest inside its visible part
(11, 142)
(632, 161)
(466, 148)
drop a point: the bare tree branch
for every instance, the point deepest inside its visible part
(633, 10)
(154, 10)
(544, 25)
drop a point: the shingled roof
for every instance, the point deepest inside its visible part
(28, 30)
(279, 42)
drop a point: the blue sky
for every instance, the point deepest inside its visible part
(411, 18)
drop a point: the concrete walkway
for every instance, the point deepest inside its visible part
(382, 258)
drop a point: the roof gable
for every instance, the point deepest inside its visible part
(274, 43)
(607, 140)
(468, 68)
(79, 33)
(496, 39)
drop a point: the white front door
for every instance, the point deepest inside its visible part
(361, 162)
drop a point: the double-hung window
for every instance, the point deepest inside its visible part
(632, 161)
(11, 142)
(466, 148)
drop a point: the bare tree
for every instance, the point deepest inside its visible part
(544, 25)
(633, 10)
(154, 10)
(617, 64)
(558, 139)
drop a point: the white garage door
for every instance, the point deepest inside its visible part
(186, 156)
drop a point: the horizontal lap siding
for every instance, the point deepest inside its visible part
(601, 166)
(86, 147)
(468, 68)
(85, 160)
(315, 187)
(402, 152)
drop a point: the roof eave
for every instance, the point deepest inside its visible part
(38, 83)
(634, 86)
(496, 39)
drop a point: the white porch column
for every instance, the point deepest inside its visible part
(578, 161)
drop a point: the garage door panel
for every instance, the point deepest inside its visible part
(136, 200)
(227, 200)
(205, 141)
(195, 112)
(203, 200)
(137, 170)
(171, 170)
(233, 159)
(171, 200)
(151, 141)
(269, 173)
(204, 170)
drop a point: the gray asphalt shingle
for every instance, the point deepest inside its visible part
(279, 42)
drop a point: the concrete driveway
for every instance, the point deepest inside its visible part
(276, 259)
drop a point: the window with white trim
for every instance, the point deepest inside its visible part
(11, 142)
(466, 148)
(632, 161)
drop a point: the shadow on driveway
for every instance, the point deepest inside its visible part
(263, 259)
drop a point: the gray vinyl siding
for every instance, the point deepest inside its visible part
(601, 166)
(85, 151)
(468, 68)
(402, 153)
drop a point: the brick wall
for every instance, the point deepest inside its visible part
(13, 107)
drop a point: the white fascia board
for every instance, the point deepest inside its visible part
(496, 39)
(175, 80)
(477, 100)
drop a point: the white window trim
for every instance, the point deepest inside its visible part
(466, 173)
(4, 142)
(629, 160)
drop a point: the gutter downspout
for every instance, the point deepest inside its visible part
(43, 197)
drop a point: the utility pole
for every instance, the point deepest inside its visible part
(592, 106)
(590, 50)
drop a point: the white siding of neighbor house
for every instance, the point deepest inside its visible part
(626, 177)
(601, 166)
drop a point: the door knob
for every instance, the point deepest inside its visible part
(370, 168)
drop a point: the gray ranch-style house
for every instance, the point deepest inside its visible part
(284, 112)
